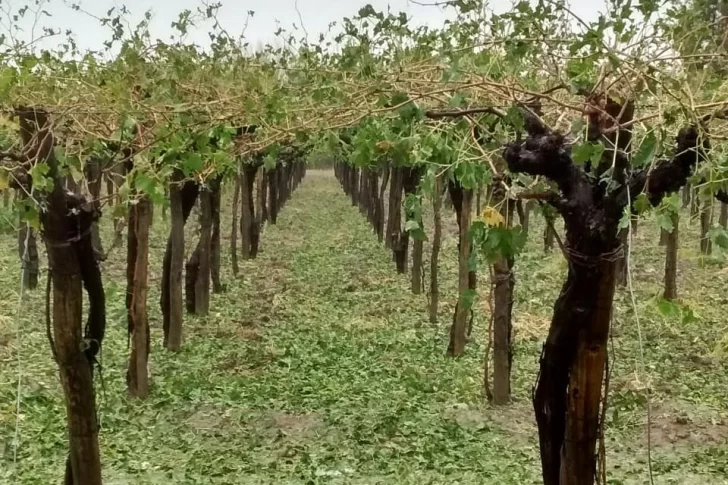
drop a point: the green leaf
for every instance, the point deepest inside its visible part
(192, 163)
(642, 203)
(468, 299)
(719, 236)
(144, 183)
(689, 315)
(411, 225)
(581, 153)
(38, 174)
(646, 151)
(668, 308)
(577, 126)
(626, 218)
(597, 149)
(269, 162)
(473, 261)
(664, 220)
(457, 100)
(514, 117)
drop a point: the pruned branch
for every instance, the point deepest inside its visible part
(717, 115)
(669, 176)
(546, 155)
(545, 196)
(17, 157)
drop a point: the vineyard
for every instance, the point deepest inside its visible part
(488, 252)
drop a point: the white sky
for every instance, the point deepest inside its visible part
(269, 15)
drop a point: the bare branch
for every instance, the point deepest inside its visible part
(454, 113)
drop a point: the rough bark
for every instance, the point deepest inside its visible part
(140, 221)
(66, 226)
(197, 268)
(363, 190)
(549, 235)
(622, 267)
(524, 214)
(234, 232)
(183, 195)
(664, 235)
(215, 244)
(418, 248)
(394, 218)
(694, 203)
(273, 195)
(249, 223)
(94, 175)
(379, 212)
(262, 192)
(436, 242)
(706, 218)
(568, 396)
(372, 193)
(723, 220)
(399, 239)
(458, 330)
(115, 172)
(280, 187)
(671, 251)
(28, 252)
(354, 185)
(410, 181)
(503, 284)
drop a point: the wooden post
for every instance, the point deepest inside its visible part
(140, 221)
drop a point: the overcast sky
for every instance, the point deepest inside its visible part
(269, 15)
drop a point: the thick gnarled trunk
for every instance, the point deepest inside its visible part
(567, 398)
(66, 224)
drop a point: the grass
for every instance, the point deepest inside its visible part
(318, 365)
